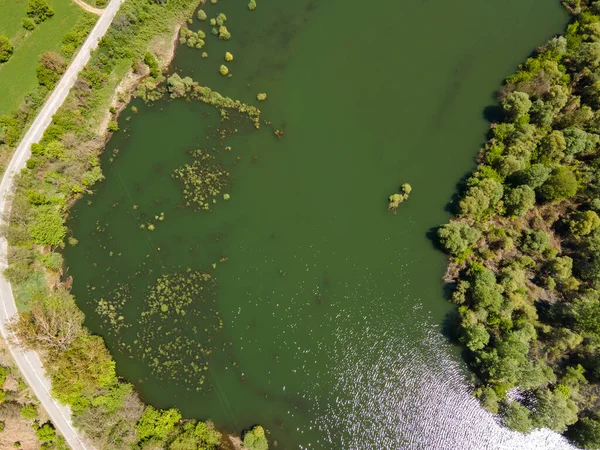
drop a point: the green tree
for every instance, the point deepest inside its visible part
(475, 337)
(560, 184)
(6, 49)
(534, 176)
(458, 237)
(519, 200)
(39, 10)
(586, 433)
(552, 148)
(517, 417)
(255, 439)
(516, 105)
(196, 436)
(583, 223)
(485, 292)
(157, 424)
(534, 242)
(554, 409)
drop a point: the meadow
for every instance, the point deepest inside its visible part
(18, 75)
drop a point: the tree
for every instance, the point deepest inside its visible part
(51, 323)
(578, 141)
(475, 337)
(534, 176)
(517, 417)
(485, 292)
(519, 200)
(583, 223)
(255, 439)
(560, 184)
(458, 237)
(516, 105)
(534, 242)
(6, 49)
(552, 148)
(39, 10)
(554, 409)
(586, 433)
(201, 436)
(157, 424)
(51, 67)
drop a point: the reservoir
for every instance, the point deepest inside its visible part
(323, 316)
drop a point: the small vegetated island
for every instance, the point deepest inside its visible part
(525, 243)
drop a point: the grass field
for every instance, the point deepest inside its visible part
(18, 75)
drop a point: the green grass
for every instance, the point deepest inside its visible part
(18, 76)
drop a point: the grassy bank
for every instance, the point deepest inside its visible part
(525, 244)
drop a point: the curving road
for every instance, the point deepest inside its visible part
(89, 8)
(29, 362)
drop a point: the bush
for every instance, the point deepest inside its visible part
(29, 412)
(28, 23)
(6, 49)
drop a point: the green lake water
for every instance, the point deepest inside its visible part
(331, 307)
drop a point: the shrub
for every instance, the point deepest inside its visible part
(28, 23)
(6, 49)
(29, 412)
(252, 5)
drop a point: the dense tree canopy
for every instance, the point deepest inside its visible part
(525, 245)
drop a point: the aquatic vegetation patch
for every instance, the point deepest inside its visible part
(177, 325)
(111, 308)
(208, 96)
(193, 39)
(203, 180)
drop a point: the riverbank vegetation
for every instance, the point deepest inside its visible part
(525, 245)
(23, 423)
(63, 166)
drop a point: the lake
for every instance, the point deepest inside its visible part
(323, 315)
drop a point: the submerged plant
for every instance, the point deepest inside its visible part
(396, 199)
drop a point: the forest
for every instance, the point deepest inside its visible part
(525, 242)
